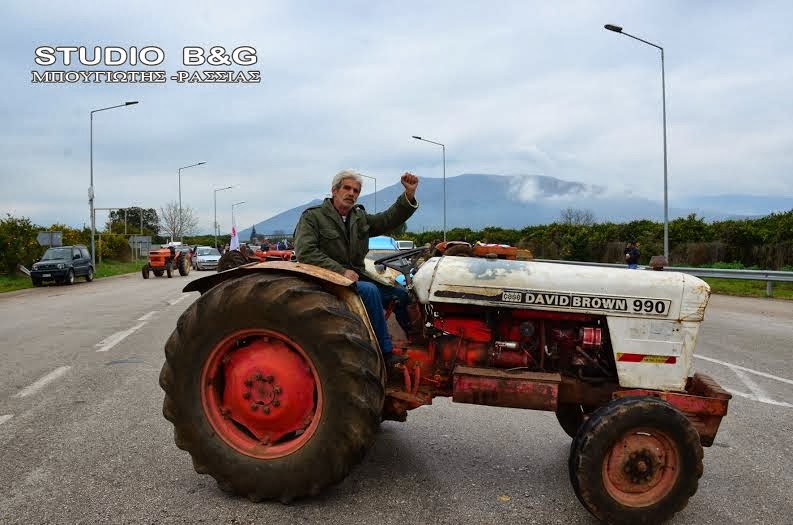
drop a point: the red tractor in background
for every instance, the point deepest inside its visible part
(252, 254)
(170, 257)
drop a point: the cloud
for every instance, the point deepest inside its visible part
(511, 87)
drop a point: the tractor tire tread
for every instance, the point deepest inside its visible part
(349, 373)
(593, 441)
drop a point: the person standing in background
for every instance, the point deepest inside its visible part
(632, 255)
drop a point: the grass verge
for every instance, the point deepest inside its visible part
(108, 268)
(748, 288)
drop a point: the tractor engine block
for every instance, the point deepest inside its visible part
(571, 344)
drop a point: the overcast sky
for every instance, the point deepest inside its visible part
(510, 88)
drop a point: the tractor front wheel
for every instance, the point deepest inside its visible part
(168, 270)
(636, 460)
(145, 271)
(278, 397)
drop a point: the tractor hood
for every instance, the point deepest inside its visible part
(562, 287)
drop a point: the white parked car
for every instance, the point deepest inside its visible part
(405, 245)
(206, 258)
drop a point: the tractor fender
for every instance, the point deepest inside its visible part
(333, 282)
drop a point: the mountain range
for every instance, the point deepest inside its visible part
(479, 200)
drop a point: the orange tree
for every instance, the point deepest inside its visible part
(17, 243)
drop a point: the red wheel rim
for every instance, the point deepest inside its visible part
(261, 393)
(641, 467)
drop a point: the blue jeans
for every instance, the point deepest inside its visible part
(375, 297)
(633, 266)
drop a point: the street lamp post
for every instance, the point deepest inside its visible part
(181, 225)
(444, 179)
(91, 187)
(375, 189)
(233, 224)
(215, 229)
(618, 29)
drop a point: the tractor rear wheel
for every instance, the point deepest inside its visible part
(145, 270)
(231, 259)
(278, 397)
(636, 460)
(183, 265)
(168, 270)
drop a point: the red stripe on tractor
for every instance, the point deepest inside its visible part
(641, 358)
(631, 358)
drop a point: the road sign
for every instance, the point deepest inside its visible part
(50, 238)
(140, 242)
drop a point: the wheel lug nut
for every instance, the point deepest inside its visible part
(266, 410)
(277, 390)
(248, 383)
(258, 376)
(269, 379)
(246, 395)
(276, 403)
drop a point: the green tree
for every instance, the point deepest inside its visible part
(151, 221)
(17, 243)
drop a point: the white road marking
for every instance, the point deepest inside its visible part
(5, 418)
(753, 398)
(148, 316)
(174, 301)
(737, 367)
(38, 385)
(758, 392)
(111, 341)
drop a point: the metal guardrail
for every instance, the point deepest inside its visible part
(769, 276)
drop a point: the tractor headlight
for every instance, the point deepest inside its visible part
(61, 266)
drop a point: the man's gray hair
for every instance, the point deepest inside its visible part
(346, 174)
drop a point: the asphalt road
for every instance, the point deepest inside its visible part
(83, 440)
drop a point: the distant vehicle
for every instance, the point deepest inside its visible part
(206, 258)
(382, 242)
(63, 264)
(406, 245)
(163, 261)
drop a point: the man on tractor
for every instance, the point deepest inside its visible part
(335, 235)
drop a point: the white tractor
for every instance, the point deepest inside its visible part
(275, 383)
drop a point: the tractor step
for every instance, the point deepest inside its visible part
(503, 388)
